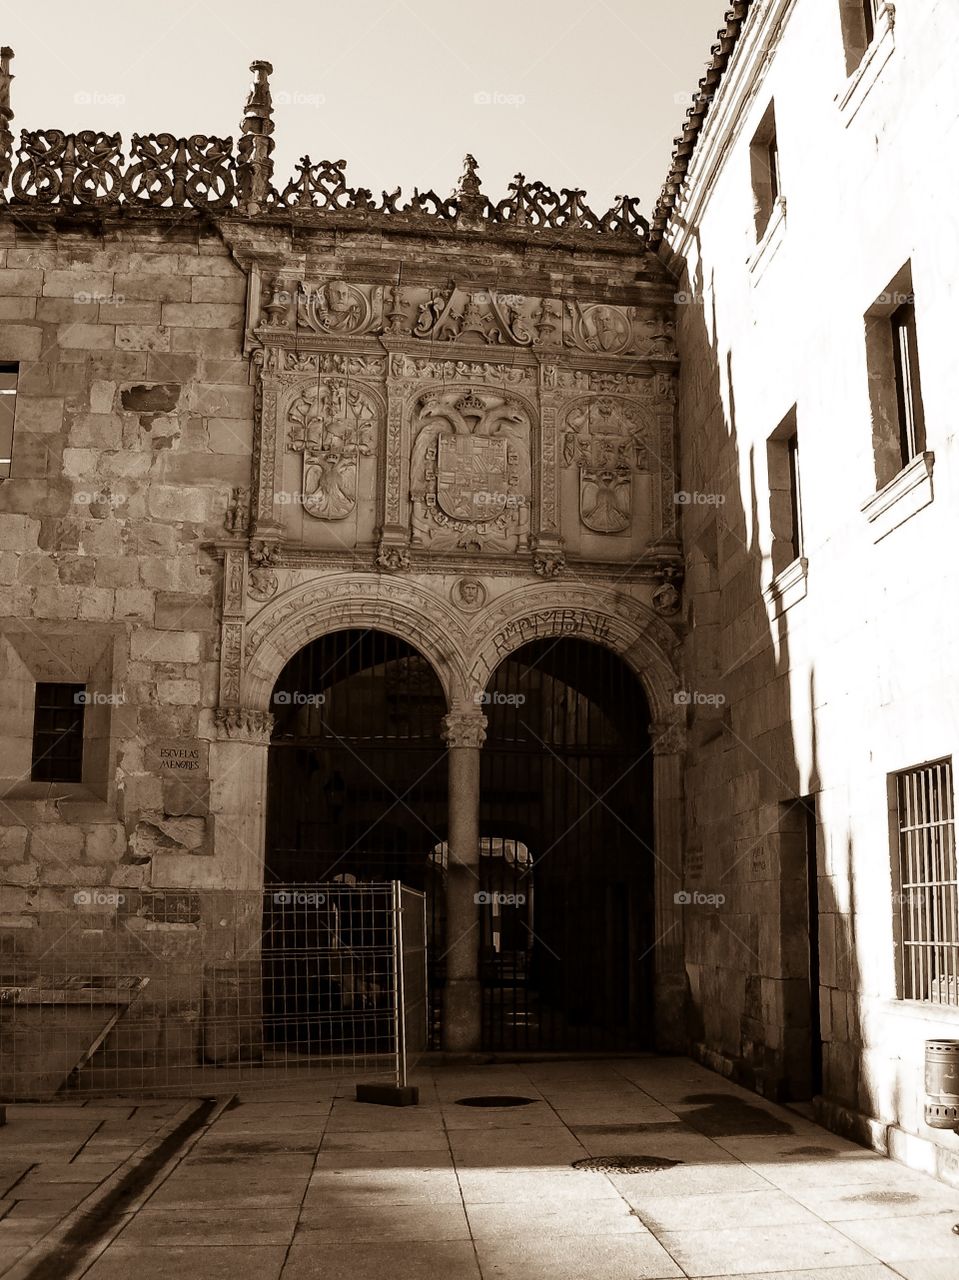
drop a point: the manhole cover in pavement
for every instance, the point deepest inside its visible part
(626, 1164)
(495, 1100)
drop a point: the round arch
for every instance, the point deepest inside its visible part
(402, 609)
(625, 626)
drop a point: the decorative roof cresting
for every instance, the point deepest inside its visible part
(90, 170)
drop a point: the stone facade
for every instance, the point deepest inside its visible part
(249, 415)
(244, 422)
(835, 671)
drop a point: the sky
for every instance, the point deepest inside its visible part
(575, 93)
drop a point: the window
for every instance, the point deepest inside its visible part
(785, 497)
(764, 166)
(795, 506)
(58, 733)
(892, 361)
(912, 430)
(859, 19)
(927, 920)
(8, 404)
(868, 8)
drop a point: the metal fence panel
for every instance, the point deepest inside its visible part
(200, 990)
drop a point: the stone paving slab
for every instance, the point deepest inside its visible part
(306, 1184)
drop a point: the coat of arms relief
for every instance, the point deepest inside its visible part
(606, 439)
(470, 472)
(332, 424)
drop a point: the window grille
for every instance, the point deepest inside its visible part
(928, 904)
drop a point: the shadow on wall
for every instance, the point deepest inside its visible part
(771, 944)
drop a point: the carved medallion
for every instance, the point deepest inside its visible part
(468, 594)
(339, 308)
(599, 328)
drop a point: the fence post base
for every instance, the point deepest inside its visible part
(388, 1095)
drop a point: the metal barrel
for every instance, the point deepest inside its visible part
(942, 1084)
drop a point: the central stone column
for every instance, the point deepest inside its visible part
(464, 733)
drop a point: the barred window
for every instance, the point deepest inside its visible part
(58, 732)
(928, 904)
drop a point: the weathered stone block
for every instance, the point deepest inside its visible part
(164, 646)
(134, 604)
(18, 308)
(56, 842)
(22, 282)
(97, 604)
(230, 289)
(85, 337)
(141, 337)
(81, 285)
(22, 342)
(179, 692)
(153, 287)
(177, 609)
(160, 397)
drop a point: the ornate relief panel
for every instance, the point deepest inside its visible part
(397, 421)
(470, 470)
(332, 424)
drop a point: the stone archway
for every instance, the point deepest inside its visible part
(650, 648)
(464, 652)
(344, 601)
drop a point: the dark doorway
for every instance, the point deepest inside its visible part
(566, 853)
(357, 786)
(812, 898)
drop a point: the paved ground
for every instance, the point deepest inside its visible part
(307, 1186)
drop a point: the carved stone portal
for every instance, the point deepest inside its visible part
(333, 425)
(470, 472)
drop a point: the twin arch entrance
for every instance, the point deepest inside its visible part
(360, 785)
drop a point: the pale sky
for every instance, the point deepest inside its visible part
(576, 93)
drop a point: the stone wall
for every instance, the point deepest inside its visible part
(133, 427)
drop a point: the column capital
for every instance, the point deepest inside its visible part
(242, 724)
(668, 737)
(464, 729)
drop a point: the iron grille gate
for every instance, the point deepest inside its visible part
(566, 852)
(358, 791)
(357, 775)
(299, 982)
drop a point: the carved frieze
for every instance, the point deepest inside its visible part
(470, 471)
(461, 314)
(421, 367)
(231, 662)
